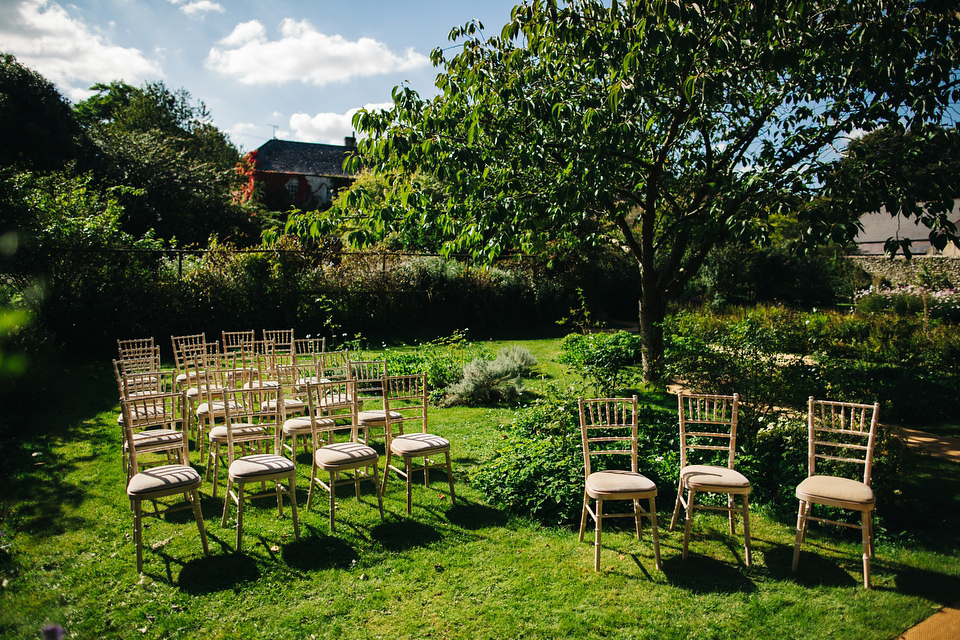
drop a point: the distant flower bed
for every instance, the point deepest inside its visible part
(907, 300)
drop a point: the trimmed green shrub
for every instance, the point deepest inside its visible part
(608, 361)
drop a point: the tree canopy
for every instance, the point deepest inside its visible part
(36, 125)
(663, 126)
(179, 166)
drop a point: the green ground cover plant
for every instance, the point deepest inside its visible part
(465, 570)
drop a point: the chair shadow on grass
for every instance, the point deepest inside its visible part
(402, 535)
(815, 569)
(316, 551)
(217, 572)
(930, 585)
(701, 574)
(473, 516)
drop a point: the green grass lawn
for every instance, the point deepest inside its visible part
(466, 570)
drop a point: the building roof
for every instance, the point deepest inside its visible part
(305, 158)
(879, 226)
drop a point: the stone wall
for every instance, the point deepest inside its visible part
(900, 271)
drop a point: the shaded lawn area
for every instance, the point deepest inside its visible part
(450, 571)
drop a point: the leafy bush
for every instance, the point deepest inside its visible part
(941, 304)
(539, 470)
(760, 354)
(490, 381)
(608, 361)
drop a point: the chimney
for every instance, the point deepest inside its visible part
(350, 141)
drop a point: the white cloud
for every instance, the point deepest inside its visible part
(44, 37)
(330, 128)
(303, 54)
(197, 6)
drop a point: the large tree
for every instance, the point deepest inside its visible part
(664, 126)
(180, 168)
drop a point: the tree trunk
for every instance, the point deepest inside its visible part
(652, 314)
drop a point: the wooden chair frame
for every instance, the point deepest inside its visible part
(243, 407)
(608, 426)
(405, 403)
(713, 420)
(158, 482)
(841, 432)
(332, 408)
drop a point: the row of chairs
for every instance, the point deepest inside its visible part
(252, 423)
(841, 435)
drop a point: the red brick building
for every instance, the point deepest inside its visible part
(285, 174)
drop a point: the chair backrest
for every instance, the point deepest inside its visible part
(143, 381)
(142, 359)
(260, 357)
(199, 358)
(233, 340)
(368, 375)
(842, 432)
(183, 347)
(282, 338)
(257, 406)
(608, 426)
(305, 348)
(332, 406)
(405, 404)
(707, 423)
(334, 365)
(134, 347)
(151, 411)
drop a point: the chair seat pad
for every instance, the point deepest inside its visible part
(152, 437)
(216, 410)
(261, 464)
(219, 432)
(301, 425)
(289, 404)
(376, 417)
(418, 444)
(345, 455)
(171, 477)
(620, 485)
(261, 384)
(195, 392)
(703, 477)
(336, 400)
(838, 492)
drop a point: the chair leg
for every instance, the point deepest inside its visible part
(731, 514)
(598, 520)
(226, 503)
(239, 515)
(333, 502)
(138, 532)
(453, 495)
(376, 486)
(409, 468)
(293, 505)
(865, 524)
(654, 535)
(676, 506)
(801, 525)
(637, 519)
(198, 516)
(583, 516)
(746, 527)
(691, 494)
(313, 482)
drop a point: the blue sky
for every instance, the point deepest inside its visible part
(294, 67)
